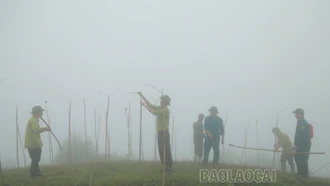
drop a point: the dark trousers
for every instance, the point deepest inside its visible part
(302, 159)
(287, 158)
(164, 145)
(35, 155)
(214, 144)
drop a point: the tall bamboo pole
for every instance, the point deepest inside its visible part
(140, 144)
(17, 139)
(20, 139)
(130, 130)
(128, 135)
(51, 153)
(106, 131)
(257, 143)
(175, 139)
(95, 123)
(86, 145)
(98, 136)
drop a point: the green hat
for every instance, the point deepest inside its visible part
(213, 109)
(298, 111)
(37, 109)
(166, 98)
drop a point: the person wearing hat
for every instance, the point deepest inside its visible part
(198, 137)
(213, 127)
(33, 141)
(302, 143)
(288, 152)
(163, 118)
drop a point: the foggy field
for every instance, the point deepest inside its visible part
(130, 173)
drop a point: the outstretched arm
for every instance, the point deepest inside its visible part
(147, 101)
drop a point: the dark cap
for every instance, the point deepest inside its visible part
(37, 109)
(298, 111)
(166, 99)
(213, 109)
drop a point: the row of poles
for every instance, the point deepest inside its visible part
(107, 137)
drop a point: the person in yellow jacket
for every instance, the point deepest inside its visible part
(284, 141)
(33, 141)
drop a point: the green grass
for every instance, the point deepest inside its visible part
(133, 174)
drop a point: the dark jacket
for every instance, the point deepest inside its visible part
(215, 126)
(302, 136)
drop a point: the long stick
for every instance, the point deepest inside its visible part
(51, 154)
(231, 145)
(17, 136)
(86, 151)
(52, 133)
(320, 168)
(128, 136)
(130, 130)
(80, 179)
(140, 148)
(155, 142)
(106, 131)
(70, 150)
(1, 175)
(257, 143)
(96, 151)
(20, 139)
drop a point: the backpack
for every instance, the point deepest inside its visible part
(311, 132)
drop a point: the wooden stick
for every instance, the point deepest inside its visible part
(70, 150)
(140, 148)
(90, 180)
(175, 140)
(80, 179)
(130, 129)
(231, 145)
(128, 136)
(51, 153)
(320, 168)
(1, 175)
(106, 131)
(86, 148)
(155, 142)
(20, 139)
(98, 135)
(164, 158)
(17, 139)
(257, 143)
(96, 150)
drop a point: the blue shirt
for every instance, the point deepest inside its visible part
(302, 136)
(215, 126)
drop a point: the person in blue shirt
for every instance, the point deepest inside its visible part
(213, 127)
(302, 143)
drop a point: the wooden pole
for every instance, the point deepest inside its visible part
(109, 144)
(175, 140)
(17, 139)
(86, 145)
(70, 150)
(128, 136)
(257, 143)
(130, 130)
(106, 131)
(155, 142)
(1, 175)
(19, 136)
(98, 136)
(95, 129)
(140, 146)
(51, 153)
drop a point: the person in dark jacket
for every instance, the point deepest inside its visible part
(302, 143)
(213, 127)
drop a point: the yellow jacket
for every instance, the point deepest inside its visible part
(32, 133)
(285, 142)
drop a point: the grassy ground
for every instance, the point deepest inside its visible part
(133, 174)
